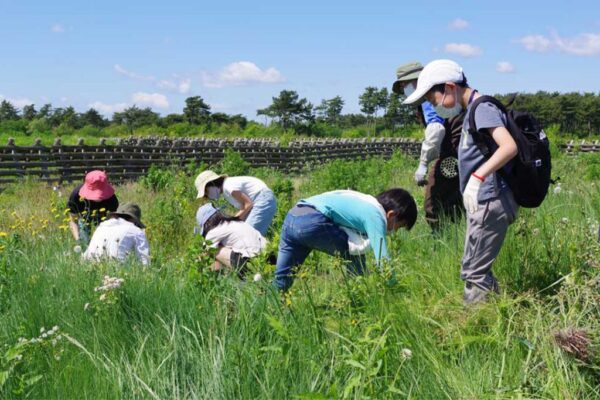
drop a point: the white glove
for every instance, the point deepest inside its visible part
(420, 174)
(470, 195)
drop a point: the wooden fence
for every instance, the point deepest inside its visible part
(573, 147)
(131, 158)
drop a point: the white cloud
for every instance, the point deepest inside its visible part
(129, 74)
(57, 28)
(177, 84)
(181, 85)
(537, 43)
(505, 67)
(462, 49)
(18, 102)
(108, 108)
(459, 24)
(150, 99)
(241, 73)
(584, 44)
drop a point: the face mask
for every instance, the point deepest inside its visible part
(409, 89)
(213, 192)
(446, 112)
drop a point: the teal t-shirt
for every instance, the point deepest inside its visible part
(357, 211)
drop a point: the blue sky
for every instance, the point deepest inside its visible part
(239, 54)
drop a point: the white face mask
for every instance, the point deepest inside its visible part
(213, 192)
(446, 112)
(409, 89)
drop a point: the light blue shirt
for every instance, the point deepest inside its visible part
(357, 211)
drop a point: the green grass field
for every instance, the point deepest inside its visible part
(174, 330)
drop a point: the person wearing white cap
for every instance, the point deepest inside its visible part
(488, 200)
(251, 196)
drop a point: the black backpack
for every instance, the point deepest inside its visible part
(530, 176)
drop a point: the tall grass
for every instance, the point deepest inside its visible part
(171, 331)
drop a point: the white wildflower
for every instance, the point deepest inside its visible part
(77, 249)
(19, 357)
(42, 329)
(536, 232)
(86, 306)
(257, 277)
(564, 220)
(407, 354)
(557, 189)
(102, 297)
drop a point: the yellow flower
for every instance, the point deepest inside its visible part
(3, 234)
(102, 209)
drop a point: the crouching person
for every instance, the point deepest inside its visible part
(327, 222)
(236, 241)
(119, 236)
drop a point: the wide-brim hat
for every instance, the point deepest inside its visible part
(132, 211)
(96, 187)
(204, 178)
(435, 73)
(406, 73)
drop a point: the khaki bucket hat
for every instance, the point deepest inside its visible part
(405, 73)
(132, 211)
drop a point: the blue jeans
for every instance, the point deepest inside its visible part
(305, 229)
(263, 210)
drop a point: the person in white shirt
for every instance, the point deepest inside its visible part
(236, 241)
(251, 196)
(120, 235)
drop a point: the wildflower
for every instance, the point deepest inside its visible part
(102, 209)
(42, 329)
(557, 189)
(77, 249)
(102, 297)
(536, 232)
(407, 354)
(86, 306)
(257, 277)
(564, 220)
(19, 357)
(3, 234)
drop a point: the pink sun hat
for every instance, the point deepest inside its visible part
(96, 187)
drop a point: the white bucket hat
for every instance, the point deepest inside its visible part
(434, 73)
(205, 178)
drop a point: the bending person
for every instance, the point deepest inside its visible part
(251, 196)
(89, 204)
(119, 236)
(235, 240)
(331, 222)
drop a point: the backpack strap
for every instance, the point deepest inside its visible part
(473, 131)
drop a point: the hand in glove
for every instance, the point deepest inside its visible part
(420, 174)
(471, 193)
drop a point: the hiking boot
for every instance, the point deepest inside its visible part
(474, 294)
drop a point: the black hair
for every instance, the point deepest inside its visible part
(442, 86)
(217, 182)
(402, 203)
(215, 220)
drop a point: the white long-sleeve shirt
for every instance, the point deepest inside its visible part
(430, 148)
(116, 238)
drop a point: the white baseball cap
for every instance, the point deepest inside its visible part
(434, 73)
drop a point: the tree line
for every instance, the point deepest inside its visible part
(573, 113)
